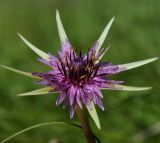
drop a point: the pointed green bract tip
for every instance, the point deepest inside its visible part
(131, 88)
(126, 88)
(35, 49)
(19, 72)
(136, 64)
(104, 35)
(93, 113)
(61, 31)
(41, 91)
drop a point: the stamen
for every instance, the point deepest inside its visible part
(70, 56)
(82, 76)
(80, 54)
(87, 58)
(64, 70)
(86, 67)
(59, 69)
(67, 62)
(95, 73)
(74, 55)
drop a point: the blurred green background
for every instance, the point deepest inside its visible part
(134, 36)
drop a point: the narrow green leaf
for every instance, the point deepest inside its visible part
(19, 72)
(35, 49)
(127, 88)
(44, 90)
(61, 31)
(104, 35)
(93, 113)
(33, 127)
(129, 66)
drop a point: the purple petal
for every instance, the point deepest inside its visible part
(98, 92)
(72, 111)
(84, 97)
(78, 98)
(66, 46)
(61, 98)
(72, 93)
(44, 82)
(98, 101)
(107, 70)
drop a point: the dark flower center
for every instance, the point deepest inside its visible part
(79, 69)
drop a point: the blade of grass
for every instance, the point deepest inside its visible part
(37, 126)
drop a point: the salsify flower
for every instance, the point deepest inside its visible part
(77, 77)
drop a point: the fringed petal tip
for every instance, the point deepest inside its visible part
(72, 110)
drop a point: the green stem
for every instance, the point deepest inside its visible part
(85, 125)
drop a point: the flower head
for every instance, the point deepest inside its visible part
(77, 77)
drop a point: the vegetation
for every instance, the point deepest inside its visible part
(134, 36)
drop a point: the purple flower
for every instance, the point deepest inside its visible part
(77, 77)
